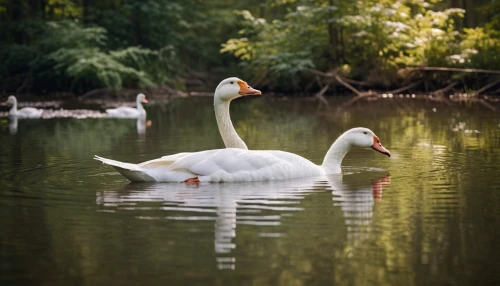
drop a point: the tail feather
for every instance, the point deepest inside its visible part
(129, 171)
(114, 163)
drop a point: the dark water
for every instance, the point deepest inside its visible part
(430, 215)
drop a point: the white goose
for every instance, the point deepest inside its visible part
(26, 112)
(227, 90)
(233, 165)
(130, 112)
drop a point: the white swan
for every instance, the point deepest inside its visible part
(227, 90)
(130, 112)
(27, 112)
(232, 164)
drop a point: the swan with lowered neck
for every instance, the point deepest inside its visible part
(130, 112)
(233, 165)
(27, 112)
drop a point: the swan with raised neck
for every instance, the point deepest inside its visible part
(12, 100)
(130, 112)
(141, 97)
(226, 91)
(27, 112)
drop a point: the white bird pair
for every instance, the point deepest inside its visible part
(120, 112)
(236, 163)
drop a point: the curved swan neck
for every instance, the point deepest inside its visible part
(13, 109)
(139, 104)
(335, 155)
(226, 129)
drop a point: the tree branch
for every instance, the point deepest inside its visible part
(452, 69)
(445, 89)
(320, 96)
(486, 87)
(399, 90)
(339, 80)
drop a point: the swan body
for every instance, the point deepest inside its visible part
(27, 112)
(236, 165)
(130, 112)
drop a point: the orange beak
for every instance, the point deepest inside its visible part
(144, 100)
(378, 147)
(4, 103)
(377, 187)
(245, 89)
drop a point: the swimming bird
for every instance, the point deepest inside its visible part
(227, 90)
(26, 112)
(130, 112)
(234, 165)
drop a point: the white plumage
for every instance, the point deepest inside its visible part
(227, 90)
(26, 112)
(130, 112)
(221, 165)
(233, 164)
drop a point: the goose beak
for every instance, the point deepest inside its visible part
(378, 147)
(245, 89)
(144, 100)
(4, 103)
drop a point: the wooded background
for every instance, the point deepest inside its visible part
(75, 46)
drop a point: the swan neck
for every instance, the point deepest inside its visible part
(335, 155)
(13, 109)
(226, 128)
(139, 104)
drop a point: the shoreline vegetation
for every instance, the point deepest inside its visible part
(115, 49)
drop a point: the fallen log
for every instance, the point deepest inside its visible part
(451, 70)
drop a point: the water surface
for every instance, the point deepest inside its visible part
(429, 215)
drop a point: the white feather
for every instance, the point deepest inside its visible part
(236, 165)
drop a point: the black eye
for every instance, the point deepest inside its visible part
(231, 82)
(365, 132)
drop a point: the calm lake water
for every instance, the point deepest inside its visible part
(429, 215)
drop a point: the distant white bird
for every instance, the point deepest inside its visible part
(130, 112)
(235, 165)
(26, 112)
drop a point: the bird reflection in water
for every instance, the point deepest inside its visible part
(232, 204)
(142, 125)
(13, 125)
(356, 202)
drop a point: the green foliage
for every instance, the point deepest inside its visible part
(78, 55)
(480, 48)
(373, 38)
(76, 46)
